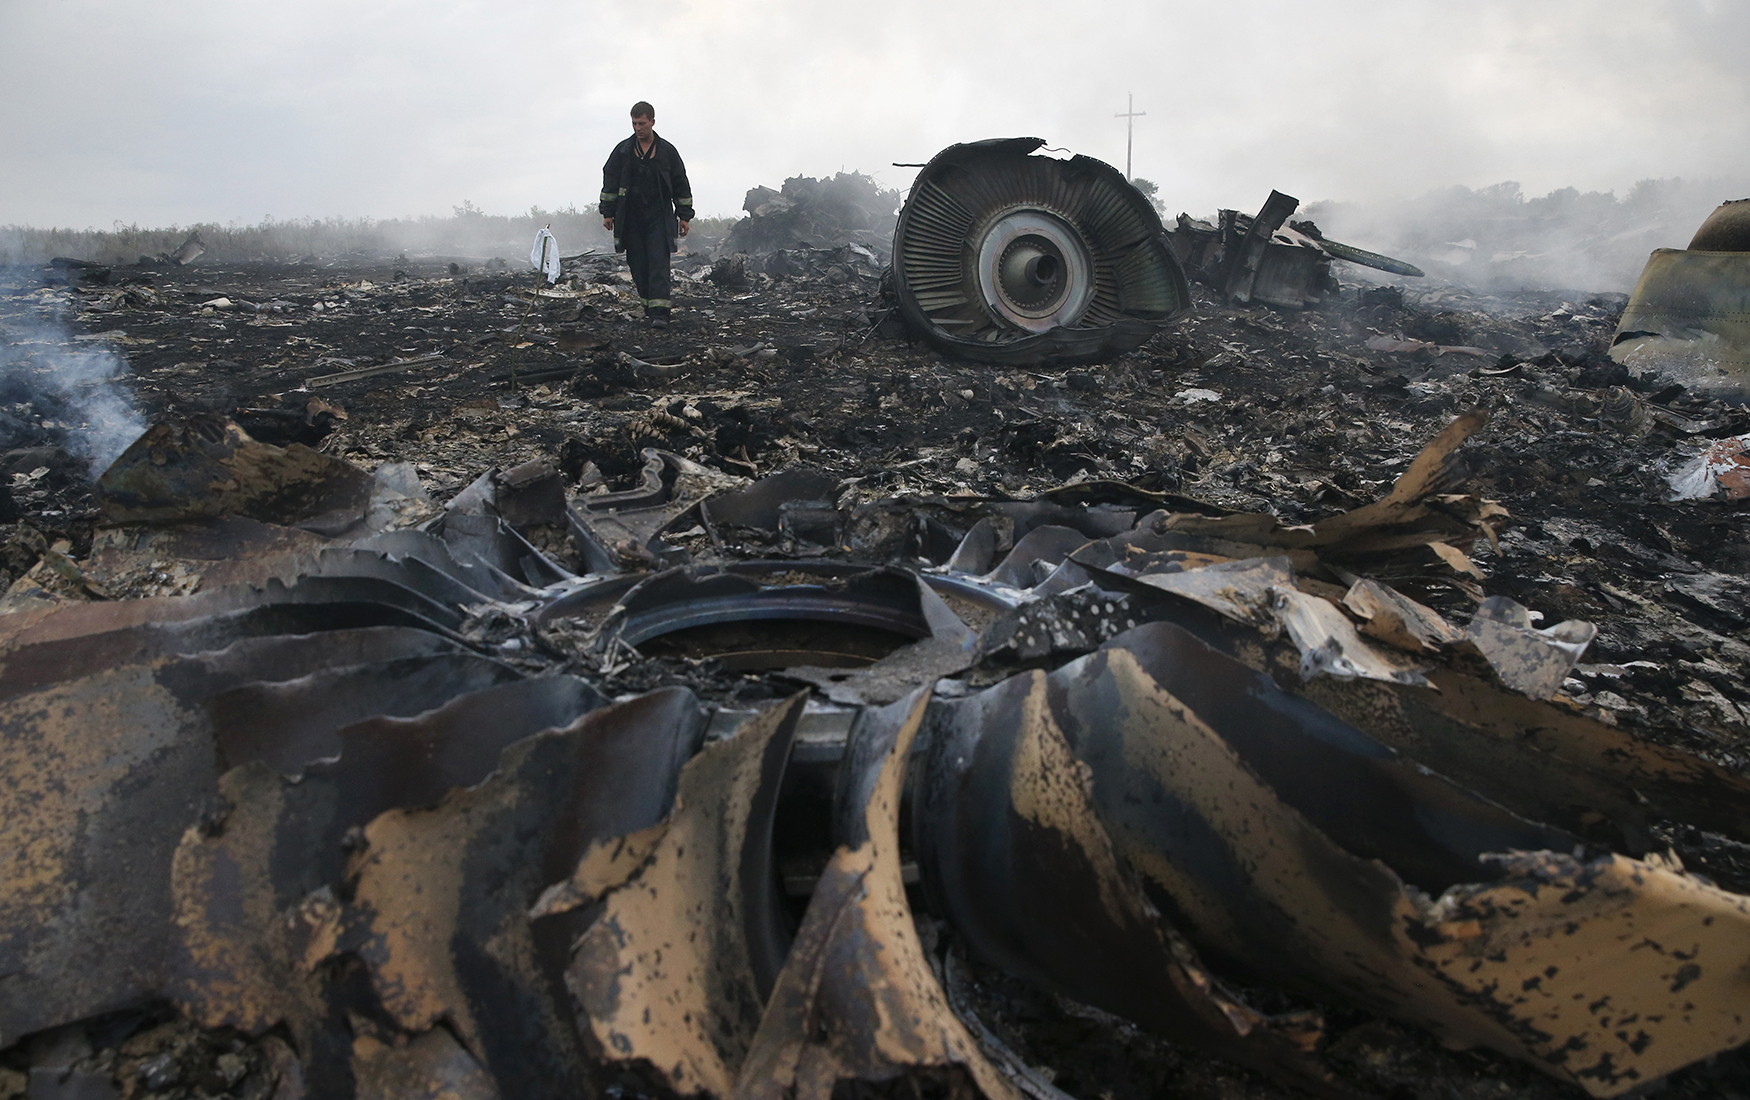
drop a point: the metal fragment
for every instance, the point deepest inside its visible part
(674, 972)
(857, 1000)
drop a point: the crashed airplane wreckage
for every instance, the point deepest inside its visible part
(1006, 256)
(359, 798)
(1689, 315)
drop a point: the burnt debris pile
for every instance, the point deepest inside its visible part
(461, 689)
(844, 209)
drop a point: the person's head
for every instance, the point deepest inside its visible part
(643, 118)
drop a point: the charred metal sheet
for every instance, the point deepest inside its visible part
(476, 534)
(42, 663)
(674, 973)
(733, 617)
(1330, 645)
(443, 897)
(768, 503)
(1256, 258)
(1543, 761)
(106, 771)
(1007, 257)
(857, 1000)
(349, 599)
(208, 466)
(1727, 229)
(624, 528)
(948, 649)
(291, 723)
(406, 545)
(102, 774)
(1213, 787)
(1012, 853)
(1036, 554)
(257, 907)
(410, 572)
(1245, 263)
(1689, 315)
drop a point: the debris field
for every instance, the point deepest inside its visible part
(462, 689)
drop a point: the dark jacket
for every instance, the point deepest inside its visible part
(635, 188)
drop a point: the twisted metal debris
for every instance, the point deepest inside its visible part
(350, 799)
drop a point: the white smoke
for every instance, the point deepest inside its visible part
(56, 390)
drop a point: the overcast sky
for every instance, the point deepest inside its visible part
(171, 113)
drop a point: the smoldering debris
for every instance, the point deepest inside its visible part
(702, 672)
(844, 209)
(566, 843)
(63, 392)
(1267, 259)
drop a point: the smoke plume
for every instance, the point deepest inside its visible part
(58, 391)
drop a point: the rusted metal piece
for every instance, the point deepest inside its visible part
(106, 770)
(674, 973)
(1012, 852)
(857, 1000)
(208, 466)
(1229, 800)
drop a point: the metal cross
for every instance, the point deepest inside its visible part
(1130, 115)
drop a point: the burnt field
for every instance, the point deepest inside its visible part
(629, 456)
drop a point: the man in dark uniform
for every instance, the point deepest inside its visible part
(647, 202)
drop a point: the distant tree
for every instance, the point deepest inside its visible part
(1150, 191)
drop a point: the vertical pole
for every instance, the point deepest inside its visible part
(1129, 132)
(1130, 115)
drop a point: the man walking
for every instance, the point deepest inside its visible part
(647, 202)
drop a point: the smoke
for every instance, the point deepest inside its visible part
(1497, 239)
(59, 391)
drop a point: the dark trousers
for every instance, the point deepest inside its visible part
(647, 252)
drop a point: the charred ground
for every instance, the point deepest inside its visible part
(791, 359)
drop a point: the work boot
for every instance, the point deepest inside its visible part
(658, 317)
